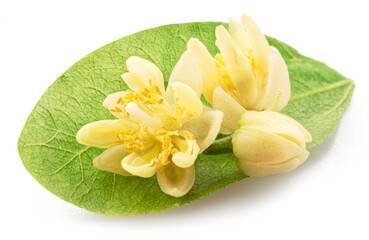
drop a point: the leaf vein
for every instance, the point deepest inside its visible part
(322, 89)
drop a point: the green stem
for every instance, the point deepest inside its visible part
(223, 145)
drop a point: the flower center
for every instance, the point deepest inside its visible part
(148, 96)
(167, 148)
(171, 117)
(139, 139)
(168, 145)
(136, 139)
(151, 101)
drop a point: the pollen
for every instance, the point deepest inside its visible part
(251, 58)
(116, 110)
(224, 79)
(135, 140)
(189, 136)
(150, 95)
(180, 112)
(192, 115)
(223, 75)
(119, 100)
(167, 150)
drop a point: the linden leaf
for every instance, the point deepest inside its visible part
(50, 152)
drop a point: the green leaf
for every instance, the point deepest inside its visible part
(49, 150)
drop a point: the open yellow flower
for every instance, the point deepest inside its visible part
(157, 131)
(269, 142)
(248, 70)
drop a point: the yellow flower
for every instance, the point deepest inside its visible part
(157, 131)
(248, 70)
(269, 142)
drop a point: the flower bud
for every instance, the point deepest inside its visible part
(269, 142)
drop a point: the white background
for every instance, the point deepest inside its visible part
(325, 198)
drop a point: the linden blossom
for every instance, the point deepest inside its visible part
(247, 74)
(157, 131)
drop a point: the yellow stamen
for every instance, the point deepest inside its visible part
(258, 77)
(167, 151)
(135, 140)
(148, 96)
(224, 79)
(139, 139)
(223, 76)
(180, 113)
(250, 56)
(189, 136)
(192, 115)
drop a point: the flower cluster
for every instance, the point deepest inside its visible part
(161, 131)
(248, 81)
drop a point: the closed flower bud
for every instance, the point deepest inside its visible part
(269, 142)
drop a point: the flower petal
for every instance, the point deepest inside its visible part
(111, 103)
(259, 45)
(265, 170)
(186, 97)
(147, 70)
(187, 71)
(188, 151)
(142, 164)
(207, 67)
(111, 160)
(205, 128)
(277, 80)
(135, 81)
(239, 34)
(278, 124)
(238, 67)
(308, 137)
(104, 133)
(303, 156)
(152, 123)
(258, 147)
(176, 181)
(232, 111)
